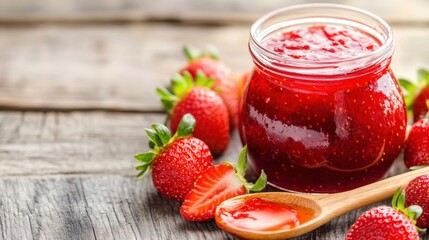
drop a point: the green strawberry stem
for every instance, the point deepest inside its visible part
(412, 212)
(159, 138)
(212, 52)
(193, 54)
(181, 86)
(240, 170)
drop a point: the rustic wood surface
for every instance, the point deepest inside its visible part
(77, 83)
(110, 207)
(52, 143)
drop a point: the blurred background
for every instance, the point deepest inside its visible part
(107, 54)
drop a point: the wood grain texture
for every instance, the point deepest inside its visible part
(118, 67)
(39, 143)
(101, 207)
(69, 176)
(111, 207)
(95, 67)
(215, 11)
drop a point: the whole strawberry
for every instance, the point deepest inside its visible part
(416, 95)
(417, 193)
(217, 184)
(386, 222)
(176, 161)
(416, 149)
(196, 97)
(226, 82)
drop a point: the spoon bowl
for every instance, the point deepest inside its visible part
(321, 207)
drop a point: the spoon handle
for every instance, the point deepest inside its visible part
(341, 203)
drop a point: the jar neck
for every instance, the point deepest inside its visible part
(321, 14)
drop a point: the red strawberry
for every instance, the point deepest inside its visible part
(386, 222)
(205, 105)
(176, 161)
(417, 193)
(416, 95)
(217, 184)
(226, 82)
(420, 107)
(416, 149)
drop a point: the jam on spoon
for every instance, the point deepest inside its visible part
(261, 215)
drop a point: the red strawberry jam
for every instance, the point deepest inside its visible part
(322, 112)
(257, 214)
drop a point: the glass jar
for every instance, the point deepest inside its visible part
(316, 122)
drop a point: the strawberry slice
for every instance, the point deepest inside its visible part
(217, 184)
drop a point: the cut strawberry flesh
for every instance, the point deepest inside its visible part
(214, 186)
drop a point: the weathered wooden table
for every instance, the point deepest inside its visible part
(77, 82)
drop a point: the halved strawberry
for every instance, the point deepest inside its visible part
(217, 184)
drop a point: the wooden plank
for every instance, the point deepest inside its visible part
(112, 207)
(215, 11)
(101, 207)
(117, 67)
(96, 67)
(51, 143)
(38, 143)
(69, 176)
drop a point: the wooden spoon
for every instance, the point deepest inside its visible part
(324, 206)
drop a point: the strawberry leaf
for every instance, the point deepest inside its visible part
(401, 202)
(212, 52)
(414, 212)
(151, 145)
(395, 197)
(189, 80)
(168, 100)
(191, 53)
(241, 170)
(260, 183)
(145, 157)
(164, 93)
(242, 162)
(202, 80)
(408, 102)
(163, 132)
(142, 168)
(408, 86)
(186, 125)
(167, 105)
(179, 85)
(423, 77)
(153, 136)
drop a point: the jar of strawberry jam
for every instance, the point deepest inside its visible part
(322, 112)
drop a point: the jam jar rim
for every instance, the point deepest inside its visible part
(275, 62)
